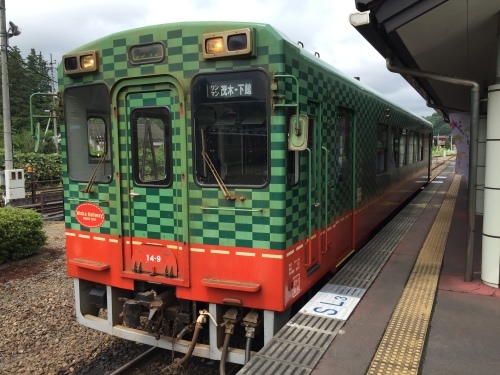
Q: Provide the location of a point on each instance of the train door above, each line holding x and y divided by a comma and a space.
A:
153, 188
341, 185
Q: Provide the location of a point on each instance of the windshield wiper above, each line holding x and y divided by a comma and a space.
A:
88, 188
218, 178
212, 168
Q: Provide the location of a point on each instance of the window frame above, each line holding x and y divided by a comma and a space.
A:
81, 103
382, 147
201, 96
167, 145
343, 144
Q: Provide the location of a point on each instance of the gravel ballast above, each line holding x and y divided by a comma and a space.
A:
39, 332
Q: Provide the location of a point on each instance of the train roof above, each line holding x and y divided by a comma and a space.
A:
357, 83
216, 25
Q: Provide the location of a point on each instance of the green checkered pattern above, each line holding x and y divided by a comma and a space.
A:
104, 195
274, 217
154, 212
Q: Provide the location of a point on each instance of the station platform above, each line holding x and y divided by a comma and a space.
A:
400, 305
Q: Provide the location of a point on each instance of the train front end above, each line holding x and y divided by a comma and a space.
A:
174, 189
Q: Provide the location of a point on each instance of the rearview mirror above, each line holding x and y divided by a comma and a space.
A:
297, 133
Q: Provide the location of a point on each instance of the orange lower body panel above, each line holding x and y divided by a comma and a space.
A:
255, 278
96, 257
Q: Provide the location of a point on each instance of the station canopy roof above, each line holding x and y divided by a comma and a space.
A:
457, 38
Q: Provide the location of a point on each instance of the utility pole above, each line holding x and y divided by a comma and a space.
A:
7, 125
13, 179
53, 111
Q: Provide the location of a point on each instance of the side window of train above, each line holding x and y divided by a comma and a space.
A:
382, 135
416, 151
403, 141
421, 143
151, 146
344, 119
396, 137
411, 146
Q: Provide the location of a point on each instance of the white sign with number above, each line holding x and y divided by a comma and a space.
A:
331, 305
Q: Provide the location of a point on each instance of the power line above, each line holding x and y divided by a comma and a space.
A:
22, 62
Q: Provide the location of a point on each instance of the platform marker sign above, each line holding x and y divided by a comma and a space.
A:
331, 305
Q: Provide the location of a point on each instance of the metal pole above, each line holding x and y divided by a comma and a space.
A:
53, 112
471, 192
7, 126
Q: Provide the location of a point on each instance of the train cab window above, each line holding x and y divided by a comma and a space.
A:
344, 130
151, 146
88, 133
230, 131
381, 159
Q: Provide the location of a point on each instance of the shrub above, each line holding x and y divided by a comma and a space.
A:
45, 166
21, 233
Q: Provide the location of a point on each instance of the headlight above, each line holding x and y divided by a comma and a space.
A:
228, 43
87, 62
81, 63
214, 45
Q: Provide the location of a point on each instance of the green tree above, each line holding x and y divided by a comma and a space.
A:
37, 71
439, 126
19, 90
26, 78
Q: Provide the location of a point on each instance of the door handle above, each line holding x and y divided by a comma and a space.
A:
133, 193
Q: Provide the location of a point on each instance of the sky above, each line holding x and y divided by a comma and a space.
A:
55, 27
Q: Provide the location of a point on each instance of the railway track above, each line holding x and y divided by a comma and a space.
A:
439, 163
49, 210
48, 203
156, 360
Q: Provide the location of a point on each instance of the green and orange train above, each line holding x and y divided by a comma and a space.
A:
213, 173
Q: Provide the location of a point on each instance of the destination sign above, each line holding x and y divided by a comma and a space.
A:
229, 89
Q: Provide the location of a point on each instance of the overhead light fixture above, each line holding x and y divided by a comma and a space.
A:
14, 30
359, 19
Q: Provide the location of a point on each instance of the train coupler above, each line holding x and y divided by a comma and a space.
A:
150, 307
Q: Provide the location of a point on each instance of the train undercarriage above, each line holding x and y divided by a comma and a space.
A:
157, 318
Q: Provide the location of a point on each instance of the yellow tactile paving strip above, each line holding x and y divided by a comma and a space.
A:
400, 349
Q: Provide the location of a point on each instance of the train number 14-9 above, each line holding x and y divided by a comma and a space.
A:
153, 258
